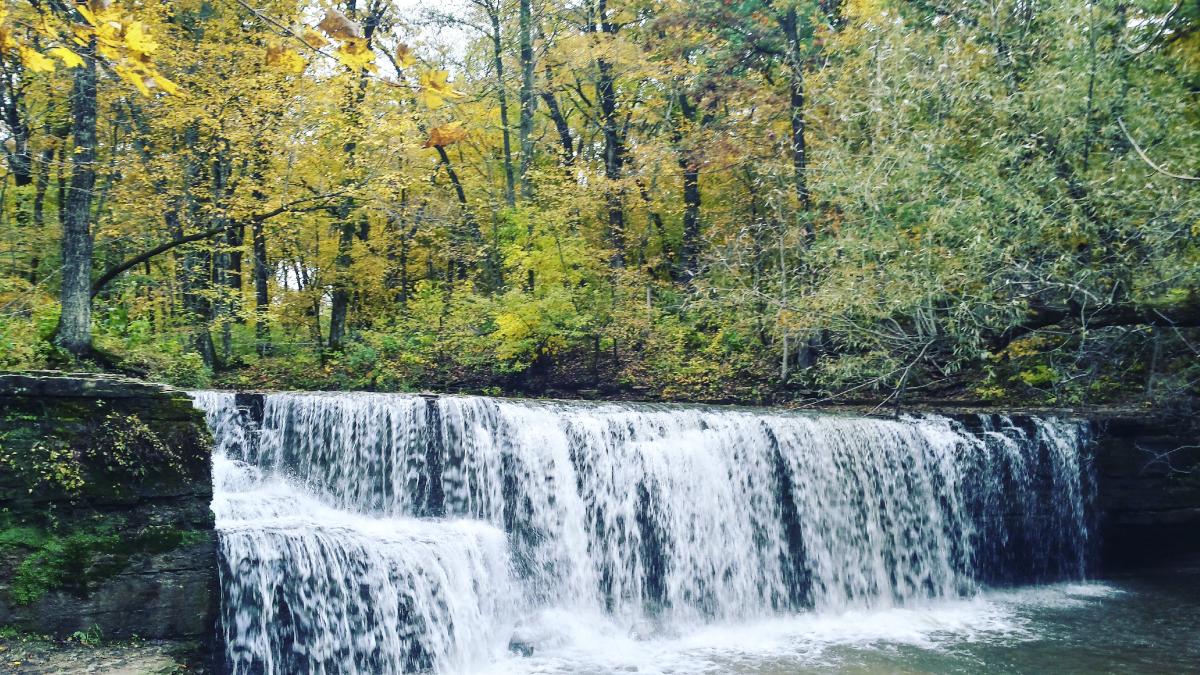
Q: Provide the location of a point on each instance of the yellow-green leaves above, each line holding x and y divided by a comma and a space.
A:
123, 41
34, 61
355, 54
69, 58
434, 88
285, 59
404, 56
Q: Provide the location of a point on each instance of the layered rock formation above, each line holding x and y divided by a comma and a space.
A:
105, 519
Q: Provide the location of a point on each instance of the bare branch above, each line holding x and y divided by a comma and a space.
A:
1149, 162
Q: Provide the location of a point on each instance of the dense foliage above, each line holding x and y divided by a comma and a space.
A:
706, 199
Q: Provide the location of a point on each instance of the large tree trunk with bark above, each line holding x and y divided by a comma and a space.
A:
350, 225
75, 323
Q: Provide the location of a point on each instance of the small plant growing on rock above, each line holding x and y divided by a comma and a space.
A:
92, 637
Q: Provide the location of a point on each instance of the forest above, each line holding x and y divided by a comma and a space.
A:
716, 200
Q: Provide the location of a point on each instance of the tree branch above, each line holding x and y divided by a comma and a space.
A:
116, 270
1149, 162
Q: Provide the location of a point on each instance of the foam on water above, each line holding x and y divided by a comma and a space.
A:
571, 643
366, 533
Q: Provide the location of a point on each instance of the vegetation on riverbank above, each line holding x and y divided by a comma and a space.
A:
752, 200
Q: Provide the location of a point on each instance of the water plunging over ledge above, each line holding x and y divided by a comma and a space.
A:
379, 533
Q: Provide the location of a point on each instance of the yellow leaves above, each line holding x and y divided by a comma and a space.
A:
313, 39
137, 40
285, 59
353, 52
87, 14
165, 84
446, 134
35, 62
69, 58
122, 40
7, 41
145, 78
404, 56
356, 55
434, 88
337, 26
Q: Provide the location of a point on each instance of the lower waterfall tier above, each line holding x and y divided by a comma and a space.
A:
366, 533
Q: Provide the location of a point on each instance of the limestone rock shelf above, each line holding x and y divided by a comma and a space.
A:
105, 509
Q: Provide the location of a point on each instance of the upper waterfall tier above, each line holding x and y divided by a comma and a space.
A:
668, 513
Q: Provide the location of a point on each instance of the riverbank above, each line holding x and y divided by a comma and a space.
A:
25, 654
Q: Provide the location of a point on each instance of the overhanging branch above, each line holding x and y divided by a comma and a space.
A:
116, 270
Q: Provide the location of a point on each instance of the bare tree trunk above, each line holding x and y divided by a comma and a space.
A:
41, 182
75, 323
528, 101
349, 228
502, 95
262, 301
795, 60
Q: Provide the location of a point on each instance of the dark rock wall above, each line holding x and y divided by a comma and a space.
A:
105, 518
1148, 493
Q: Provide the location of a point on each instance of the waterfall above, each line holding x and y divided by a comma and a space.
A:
368, 533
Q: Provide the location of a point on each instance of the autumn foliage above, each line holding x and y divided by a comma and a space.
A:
752, 200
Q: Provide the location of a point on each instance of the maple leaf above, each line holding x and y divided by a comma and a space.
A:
313, 39
405, 56
132, 76
35, 61
337, 26
285, 59
446, 134
356, 55
137, 40
434, 88
87, 14
69, 58
166, 85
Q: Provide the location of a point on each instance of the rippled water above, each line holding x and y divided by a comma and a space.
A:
366, 533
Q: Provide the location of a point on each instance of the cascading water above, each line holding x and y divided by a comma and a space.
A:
371, 533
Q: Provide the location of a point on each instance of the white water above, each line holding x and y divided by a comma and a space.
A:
367, 533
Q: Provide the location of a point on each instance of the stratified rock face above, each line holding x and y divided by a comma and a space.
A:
105, 509
1148, 470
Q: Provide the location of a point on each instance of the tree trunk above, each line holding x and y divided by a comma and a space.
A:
689, 258
614, 143
690, 249
614, 160
75, 323
40, 184
262, 301
502, 95
350, 226
795, 60
19, 160
527, 97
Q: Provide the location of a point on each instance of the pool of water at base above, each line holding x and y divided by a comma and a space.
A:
1144, 622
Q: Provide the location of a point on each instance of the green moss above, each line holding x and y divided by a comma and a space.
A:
105, 455
78, 560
